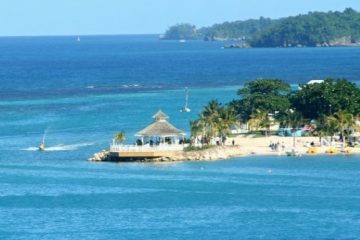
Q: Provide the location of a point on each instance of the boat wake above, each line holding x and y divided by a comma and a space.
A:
61, 147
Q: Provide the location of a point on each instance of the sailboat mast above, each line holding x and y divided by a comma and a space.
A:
185, 108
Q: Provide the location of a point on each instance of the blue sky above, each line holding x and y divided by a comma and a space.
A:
77, 17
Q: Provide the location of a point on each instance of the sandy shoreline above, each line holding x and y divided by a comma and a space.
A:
243, 147
260, 145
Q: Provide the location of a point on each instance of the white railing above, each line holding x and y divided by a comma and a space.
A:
146, 148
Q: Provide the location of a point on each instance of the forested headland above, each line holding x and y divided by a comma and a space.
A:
332, 28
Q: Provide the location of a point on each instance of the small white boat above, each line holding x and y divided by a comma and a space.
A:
78, 39
42, 144
42, 147
186, 108
182, 41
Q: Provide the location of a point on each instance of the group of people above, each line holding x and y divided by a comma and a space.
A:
157, 142
200, 140
277, 146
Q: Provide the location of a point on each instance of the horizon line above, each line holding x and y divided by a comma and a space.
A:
198, 27
118, 34
81, 35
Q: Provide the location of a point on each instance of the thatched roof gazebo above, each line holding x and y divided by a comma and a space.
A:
161, 130
159, 139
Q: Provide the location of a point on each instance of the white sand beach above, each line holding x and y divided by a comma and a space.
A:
261, 145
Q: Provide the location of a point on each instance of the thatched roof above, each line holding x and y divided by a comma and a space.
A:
161, 128
160, 115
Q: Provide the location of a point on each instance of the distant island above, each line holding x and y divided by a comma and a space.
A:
315, 29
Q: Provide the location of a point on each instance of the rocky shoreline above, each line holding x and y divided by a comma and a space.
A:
101, 156
214, 153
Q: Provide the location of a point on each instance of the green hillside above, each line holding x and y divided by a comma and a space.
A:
312, 29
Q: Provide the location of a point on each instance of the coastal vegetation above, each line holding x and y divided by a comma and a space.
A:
312, 29
120, 137
181, 31
191, 148
265, 95
238, 30
327, 108
331, 28
260, 119
214, 120
327, 98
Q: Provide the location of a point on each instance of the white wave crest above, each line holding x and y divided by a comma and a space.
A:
61, 147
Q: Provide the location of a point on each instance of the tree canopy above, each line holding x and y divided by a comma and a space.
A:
330, 106
312, 29
269, 95
326, 98
181, 31
236, 30
214, 120
227, 30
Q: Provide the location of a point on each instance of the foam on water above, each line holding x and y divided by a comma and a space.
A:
61, 147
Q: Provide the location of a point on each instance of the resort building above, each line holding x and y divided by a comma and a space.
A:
161, 132
315, 81
159, 139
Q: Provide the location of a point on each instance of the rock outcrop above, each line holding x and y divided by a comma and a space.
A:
100, 156
215, 153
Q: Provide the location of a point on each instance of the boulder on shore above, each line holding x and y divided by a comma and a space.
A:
100, 156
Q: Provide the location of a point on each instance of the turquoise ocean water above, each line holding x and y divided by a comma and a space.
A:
81, 93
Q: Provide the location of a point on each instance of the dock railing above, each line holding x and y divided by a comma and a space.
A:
146, 148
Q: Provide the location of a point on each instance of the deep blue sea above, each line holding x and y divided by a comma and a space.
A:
82, 93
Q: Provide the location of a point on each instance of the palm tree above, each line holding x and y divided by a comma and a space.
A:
226, 120
254, 122
327, 126
214, 121
211, 109
356, 123
197, 128
120, 137
331, 126
260, 119
210, 118
345, 121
